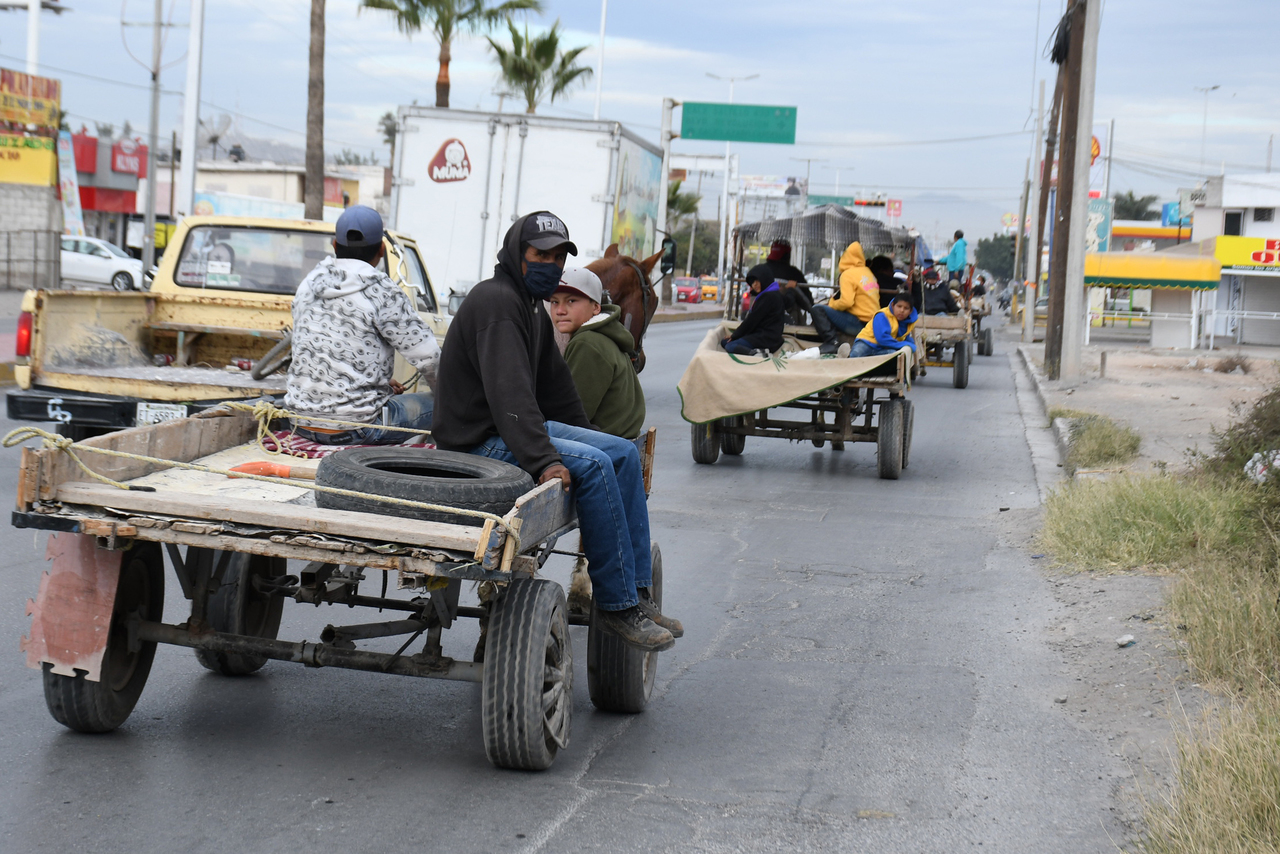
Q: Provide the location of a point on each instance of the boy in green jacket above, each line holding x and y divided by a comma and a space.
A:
598, 354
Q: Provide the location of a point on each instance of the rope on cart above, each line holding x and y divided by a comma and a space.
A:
265, 412
72, 448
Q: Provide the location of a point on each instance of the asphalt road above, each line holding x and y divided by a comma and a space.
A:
864, 669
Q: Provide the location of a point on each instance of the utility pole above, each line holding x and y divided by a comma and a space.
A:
1111, 144
1021, 225
1074, 318
33, 37
1270, 142
186, 189
693, 229
153, 143
1035, 232
1046, 172
1204, 127
664, 183
1062, 235
313, 188
604, 13
724, 206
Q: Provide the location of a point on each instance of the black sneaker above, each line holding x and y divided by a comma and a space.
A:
636, 629
650, 609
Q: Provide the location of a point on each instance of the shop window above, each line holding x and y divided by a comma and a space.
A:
1264, 214
1233, 223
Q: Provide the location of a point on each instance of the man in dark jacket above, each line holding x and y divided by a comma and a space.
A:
937, 295
796, 296
761, 329
504, 391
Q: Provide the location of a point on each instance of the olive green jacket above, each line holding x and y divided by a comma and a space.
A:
598, 357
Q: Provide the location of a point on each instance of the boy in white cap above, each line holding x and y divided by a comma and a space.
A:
598, 354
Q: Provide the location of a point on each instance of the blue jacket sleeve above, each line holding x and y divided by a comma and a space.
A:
884, 335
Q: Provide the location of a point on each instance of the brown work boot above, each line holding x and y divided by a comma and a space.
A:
650, 609
635, 629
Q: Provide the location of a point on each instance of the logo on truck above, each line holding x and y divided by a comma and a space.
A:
450, 163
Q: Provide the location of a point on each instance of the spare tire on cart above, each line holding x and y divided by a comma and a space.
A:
448, 478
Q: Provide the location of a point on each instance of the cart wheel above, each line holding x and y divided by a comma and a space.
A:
102, 706
908, 427
960, 370
889, 439
527, 694
988, 342
837, 444
706, 442
733, 443
238, 608
619, 676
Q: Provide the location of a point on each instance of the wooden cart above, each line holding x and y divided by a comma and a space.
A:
936, 334
98, 615
870, 408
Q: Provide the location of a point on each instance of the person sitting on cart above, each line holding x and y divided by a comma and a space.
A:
761, 329
349, 319
858, 302
889, 331
796, 296
937, 295
958, 258
598, 354
505, 392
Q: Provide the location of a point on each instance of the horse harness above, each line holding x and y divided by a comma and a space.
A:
646, 294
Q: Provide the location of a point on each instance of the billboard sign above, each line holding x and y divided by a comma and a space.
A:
27, 160
738, 123
635, 212
1097, 232
26, 99
1247, 254
69, 187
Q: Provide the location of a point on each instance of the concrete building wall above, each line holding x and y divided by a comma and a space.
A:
1261, 293
30, 230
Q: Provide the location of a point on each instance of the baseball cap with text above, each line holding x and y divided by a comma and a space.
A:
544, 230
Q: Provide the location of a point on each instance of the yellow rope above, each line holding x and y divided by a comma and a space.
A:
66, 445
265, 412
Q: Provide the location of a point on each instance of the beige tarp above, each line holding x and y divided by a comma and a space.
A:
718, 385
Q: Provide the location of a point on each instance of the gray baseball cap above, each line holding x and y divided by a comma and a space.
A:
358, 227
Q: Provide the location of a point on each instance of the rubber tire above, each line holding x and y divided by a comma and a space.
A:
102, 706
122, 281
889, 439
620, 677
733, 444
960, 370
705, 439
236, 608
908, 427
278, 358
528, 625
477, 483
988, 342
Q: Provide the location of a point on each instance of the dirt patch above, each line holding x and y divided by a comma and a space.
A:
1174, 401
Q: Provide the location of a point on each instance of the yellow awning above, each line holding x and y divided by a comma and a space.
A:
1150, 270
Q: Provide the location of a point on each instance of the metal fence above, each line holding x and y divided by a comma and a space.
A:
30, 259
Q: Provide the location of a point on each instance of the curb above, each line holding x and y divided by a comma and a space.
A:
676, 316
1037, 379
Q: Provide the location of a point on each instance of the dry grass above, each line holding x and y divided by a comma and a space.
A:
1099, 441
1227, 364
1131, 522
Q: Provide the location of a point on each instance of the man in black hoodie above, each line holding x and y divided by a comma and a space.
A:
761, 329
504, 391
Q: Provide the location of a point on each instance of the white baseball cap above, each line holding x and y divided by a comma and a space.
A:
583, 281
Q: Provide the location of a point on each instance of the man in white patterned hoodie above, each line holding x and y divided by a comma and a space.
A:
349, 319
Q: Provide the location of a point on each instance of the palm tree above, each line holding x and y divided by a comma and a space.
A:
680, 205
1133, 207
387, 127
446, 19
536, 67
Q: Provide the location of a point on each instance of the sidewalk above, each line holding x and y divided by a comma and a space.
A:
688, 311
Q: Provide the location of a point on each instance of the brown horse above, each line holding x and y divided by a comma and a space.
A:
627, 281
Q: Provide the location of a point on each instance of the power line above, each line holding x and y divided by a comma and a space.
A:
901, 143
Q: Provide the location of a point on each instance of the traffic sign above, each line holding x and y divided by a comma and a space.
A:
738, 123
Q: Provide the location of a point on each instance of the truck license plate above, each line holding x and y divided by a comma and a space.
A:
154, 413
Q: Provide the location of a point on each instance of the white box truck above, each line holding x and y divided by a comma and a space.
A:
463, 177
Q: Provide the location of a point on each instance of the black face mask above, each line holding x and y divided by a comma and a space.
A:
542, 279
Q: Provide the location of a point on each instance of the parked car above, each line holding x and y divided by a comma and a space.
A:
90, 261
710, 289
688, 289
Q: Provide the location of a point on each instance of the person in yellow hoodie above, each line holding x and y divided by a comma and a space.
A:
857, 303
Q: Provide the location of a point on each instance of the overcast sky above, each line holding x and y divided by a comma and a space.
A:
871, 80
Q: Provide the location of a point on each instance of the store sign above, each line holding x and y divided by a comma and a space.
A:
894, 208
450, 163
126, 157
27, 160
1248, 254
26, 99
1097, 232
69, 187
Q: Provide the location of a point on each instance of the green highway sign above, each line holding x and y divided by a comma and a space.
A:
738, 123
846, 201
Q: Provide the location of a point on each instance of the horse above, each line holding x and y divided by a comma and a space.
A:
629, 286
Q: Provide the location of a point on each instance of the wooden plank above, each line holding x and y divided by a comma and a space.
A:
542, 511
267, 514
171, 326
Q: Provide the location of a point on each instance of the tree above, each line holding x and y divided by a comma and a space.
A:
536, 67
680, 205
446, 19
388, 127
352, 158
1132, 207
706, 245
995, 254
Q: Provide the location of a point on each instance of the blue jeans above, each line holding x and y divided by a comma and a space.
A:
845, 322
863, 348
401, 410
741, 347
612, 514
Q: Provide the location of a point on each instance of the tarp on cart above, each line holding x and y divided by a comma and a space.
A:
718, 385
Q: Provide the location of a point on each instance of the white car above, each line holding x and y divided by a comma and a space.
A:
87, 260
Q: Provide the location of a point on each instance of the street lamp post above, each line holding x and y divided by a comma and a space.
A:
604, 13
1204, 128
724, 205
